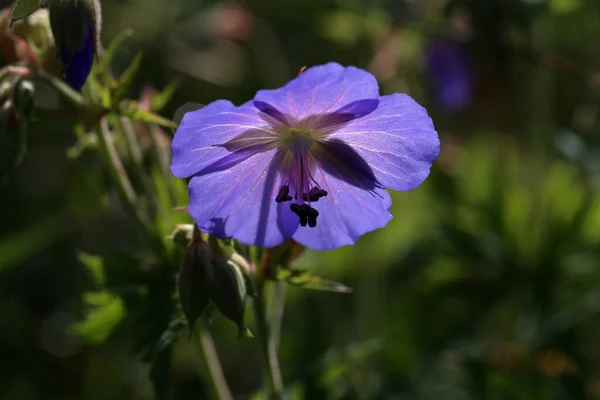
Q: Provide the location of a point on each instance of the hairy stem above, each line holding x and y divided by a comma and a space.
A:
163, 155
276, 306
73, 97
268, 344
135, 152
216, 379
124, 187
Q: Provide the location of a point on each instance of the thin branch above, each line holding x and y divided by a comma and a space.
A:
216, 379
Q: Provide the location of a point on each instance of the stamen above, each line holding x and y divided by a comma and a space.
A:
283, 194
312, 216
307, 189
300, 211
314, 194
306, 213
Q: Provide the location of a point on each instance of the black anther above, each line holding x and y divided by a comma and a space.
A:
300, 211
314, 194
306, 213
312, 217
283, 194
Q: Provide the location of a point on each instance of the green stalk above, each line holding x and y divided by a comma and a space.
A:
133, 148
71, 96
216, 379
276, 306
163, 156
124, 187
268, 344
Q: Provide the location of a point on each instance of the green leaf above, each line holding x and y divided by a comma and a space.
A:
127, 79
169, 336
107, 57
160, 99
99, 92
95, 265
102, 321
22, 9
303, 279
147, 116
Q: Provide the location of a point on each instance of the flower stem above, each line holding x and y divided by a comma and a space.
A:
268, 344
276, 306
71, 96
133, 148
124, 187
216, 379
163, 155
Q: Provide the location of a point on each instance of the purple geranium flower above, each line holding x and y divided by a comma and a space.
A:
309, 161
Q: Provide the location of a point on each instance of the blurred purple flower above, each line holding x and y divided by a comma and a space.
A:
309, 161
449, 68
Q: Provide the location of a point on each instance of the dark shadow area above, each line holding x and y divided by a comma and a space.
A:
218, 227
343, 162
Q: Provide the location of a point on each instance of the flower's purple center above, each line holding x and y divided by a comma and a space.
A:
299, 144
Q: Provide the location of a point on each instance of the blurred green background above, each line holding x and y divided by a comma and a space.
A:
485, 285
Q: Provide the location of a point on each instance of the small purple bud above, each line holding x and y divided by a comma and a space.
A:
76, 28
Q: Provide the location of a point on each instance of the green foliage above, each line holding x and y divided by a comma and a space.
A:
161, 99
122, 87
306, 280
23, 8
106, 313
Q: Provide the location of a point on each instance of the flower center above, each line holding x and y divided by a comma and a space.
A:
299, 143
298, 138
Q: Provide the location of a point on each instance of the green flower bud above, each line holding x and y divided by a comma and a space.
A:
229, 292
192, 281
211, 273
